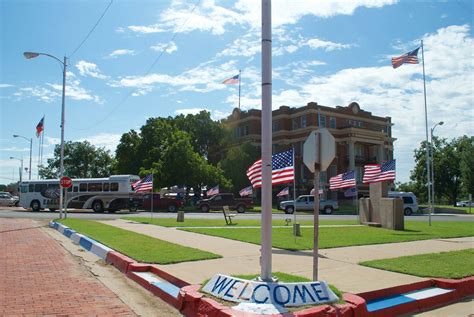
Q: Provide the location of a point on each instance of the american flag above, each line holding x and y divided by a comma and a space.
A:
213, 191
374, 173
40, 127
247, 191
144, 184
320, 192
343, 180
351, 192
285, 192
408, 58
232, 80
283, 170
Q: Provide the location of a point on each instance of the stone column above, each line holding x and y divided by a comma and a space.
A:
380, 157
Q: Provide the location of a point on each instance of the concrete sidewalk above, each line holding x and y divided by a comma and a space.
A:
337, 266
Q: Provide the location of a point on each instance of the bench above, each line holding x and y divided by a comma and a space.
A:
227, 215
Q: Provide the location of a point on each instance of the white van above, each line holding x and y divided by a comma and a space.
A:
410, 204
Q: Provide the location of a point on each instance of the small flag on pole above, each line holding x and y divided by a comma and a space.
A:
213, 191
312, 191
408, 58
374, 173
232, 80
40, 127
144, 184
247, 191
343, 180
285, 192
350, 192
283, 170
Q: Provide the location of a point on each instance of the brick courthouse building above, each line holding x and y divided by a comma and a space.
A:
361, 138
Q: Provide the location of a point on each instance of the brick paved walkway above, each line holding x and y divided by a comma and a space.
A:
38, 277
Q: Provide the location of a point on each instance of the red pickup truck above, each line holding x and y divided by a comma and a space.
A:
218, 201
161, 203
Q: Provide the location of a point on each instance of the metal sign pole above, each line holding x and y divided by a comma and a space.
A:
316, 208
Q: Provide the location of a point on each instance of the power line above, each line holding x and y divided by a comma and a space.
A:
92, 30
146, 73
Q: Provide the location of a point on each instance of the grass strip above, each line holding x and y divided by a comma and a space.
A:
191, 222
453, 264
345, 236
140, 247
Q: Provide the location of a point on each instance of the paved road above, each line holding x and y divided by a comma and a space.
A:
13, 212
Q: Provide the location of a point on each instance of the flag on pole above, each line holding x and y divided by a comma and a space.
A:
144, 184
40, 127
343, 180
247, 191
232, 80
285, 192
351, 192
374, 173
283, 170
213, 191
319, 192
408, 58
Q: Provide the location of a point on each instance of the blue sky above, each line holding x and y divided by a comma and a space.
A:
162, 58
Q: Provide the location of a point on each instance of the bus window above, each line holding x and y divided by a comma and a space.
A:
83, 187
75, 189
94, 187
24, 188
106, 187
40, 187
114, 187
31, 188
54, 186
69, 189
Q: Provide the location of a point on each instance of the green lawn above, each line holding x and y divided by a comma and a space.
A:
137, 246
191, 222
454, 264
345, 236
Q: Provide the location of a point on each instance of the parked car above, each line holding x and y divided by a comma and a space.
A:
7, 199
465, 203
161, 203
306, 202
410, 204
218, 201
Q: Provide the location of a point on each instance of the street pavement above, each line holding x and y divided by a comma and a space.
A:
43, 273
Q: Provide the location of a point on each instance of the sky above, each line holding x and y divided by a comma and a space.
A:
163, 58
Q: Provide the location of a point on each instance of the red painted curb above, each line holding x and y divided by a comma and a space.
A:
120, 261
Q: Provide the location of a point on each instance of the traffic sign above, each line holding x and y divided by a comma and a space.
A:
65, 182
311, 148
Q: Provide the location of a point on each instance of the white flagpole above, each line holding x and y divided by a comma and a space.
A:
42, 141
294, 191
152, 198
427, 143
240, 80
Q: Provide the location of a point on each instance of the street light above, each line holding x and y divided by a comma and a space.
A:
21, 168
30, 55
432, 166
31, 147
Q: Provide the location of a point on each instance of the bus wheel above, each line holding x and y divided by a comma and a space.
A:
97, 206
52, 209
35, 205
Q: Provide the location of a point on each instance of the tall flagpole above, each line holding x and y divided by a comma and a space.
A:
240, 80
152, 197
430, 206
294, 192
266, 231
42, 141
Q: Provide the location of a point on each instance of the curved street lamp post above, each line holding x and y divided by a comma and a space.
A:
31, 147
30, 55
21, 168
432, 165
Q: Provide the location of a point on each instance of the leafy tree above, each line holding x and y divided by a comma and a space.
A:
128, 157
236, 162
466, 156
405, 187
81, 160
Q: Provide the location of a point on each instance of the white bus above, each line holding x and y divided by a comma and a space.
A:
99, 194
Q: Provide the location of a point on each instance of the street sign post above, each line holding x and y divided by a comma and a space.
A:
319, 150
65, 182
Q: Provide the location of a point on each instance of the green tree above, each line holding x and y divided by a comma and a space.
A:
128, 157
236, 162
466, 157
81, 160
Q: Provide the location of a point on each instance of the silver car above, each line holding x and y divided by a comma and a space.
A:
306, 202
7, 199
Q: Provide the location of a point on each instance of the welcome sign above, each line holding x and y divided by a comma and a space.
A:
281, 294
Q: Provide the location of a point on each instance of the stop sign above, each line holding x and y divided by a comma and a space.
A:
65, 182
311, 149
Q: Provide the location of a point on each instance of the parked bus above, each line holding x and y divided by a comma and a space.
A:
99, 194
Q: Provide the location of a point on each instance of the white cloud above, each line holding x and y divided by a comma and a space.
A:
167, 47
6, 85
215, 114
89, 69
109, 141
189, 111
121, 52
16, 149
74, 90
326, 45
